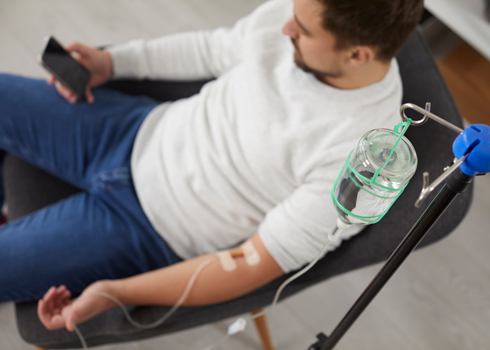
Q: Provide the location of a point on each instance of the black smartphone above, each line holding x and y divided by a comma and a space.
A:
64, 67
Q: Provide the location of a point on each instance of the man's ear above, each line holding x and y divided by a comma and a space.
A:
361, 55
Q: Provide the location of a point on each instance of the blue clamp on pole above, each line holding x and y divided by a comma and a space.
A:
474, 142
471, 148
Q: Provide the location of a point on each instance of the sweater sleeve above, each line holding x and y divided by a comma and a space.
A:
295, 231
181, 56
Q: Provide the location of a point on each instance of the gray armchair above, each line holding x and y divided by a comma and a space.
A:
28, 189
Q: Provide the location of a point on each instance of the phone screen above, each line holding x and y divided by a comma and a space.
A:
65, 68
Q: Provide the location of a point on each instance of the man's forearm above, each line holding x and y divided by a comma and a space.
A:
165, 287
213, 285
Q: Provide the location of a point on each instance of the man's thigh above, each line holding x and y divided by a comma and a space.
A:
73, 142
75, 242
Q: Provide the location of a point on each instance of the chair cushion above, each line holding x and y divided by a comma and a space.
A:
28, 189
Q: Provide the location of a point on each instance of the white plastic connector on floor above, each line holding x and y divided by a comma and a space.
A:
237, 326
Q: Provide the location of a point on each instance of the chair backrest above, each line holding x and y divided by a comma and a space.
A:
422, 83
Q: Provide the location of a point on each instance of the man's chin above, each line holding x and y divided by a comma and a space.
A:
319, 74
301, 65
298, 64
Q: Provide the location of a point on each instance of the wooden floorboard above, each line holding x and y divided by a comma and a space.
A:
467, 74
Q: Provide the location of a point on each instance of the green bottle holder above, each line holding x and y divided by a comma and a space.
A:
357, 178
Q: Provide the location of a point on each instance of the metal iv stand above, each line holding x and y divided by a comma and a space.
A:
472, 151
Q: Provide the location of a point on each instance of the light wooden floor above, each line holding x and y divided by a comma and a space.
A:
467, 74
439, 299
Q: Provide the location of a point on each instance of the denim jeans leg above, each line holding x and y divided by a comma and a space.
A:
89, 236
72, 142
75, 242
2, 192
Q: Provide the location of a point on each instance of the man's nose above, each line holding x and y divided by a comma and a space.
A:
290, 28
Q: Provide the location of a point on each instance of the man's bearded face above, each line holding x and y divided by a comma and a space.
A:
314, 47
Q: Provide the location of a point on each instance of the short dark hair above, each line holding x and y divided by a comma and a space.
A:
381, 24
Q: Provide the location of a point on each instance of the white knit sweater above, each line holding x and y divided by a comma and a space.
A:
257, 150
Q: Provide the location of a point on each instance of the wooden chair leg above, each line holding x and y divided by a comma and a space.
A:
261, 325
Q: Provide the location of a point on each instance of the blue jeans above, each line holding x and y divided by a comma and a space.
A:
100, 233
1, 182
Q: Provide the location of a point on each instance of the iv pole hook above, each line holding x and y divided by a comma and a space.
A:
427, 114
426, 188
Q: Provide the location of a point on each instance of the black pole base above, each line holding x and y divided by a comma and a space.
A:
322, 338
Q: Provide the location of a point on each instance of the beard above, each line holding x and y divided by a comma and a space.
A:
298, 60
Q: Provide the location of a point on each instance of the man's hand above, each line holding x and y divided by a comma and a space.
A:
56, 310
53, 309
97, 62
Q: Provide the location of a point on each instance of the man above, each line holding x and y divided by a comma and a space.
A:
251, 158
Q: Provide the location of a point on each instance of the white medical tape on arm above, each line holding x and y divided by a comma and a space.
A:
251, 254
227, 261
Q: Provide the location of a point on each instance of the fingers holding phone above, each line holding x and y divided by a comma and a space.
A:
66, 92
97, 62
76, 69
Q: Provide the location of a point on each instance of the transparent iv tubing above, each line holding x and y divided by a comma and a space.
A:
163, 318
333, 237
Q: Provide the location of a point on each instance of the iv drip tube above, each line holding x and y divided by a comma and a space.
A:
333, 237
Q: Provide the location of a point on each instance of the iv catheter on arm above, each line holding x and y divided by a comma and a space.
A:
165, 286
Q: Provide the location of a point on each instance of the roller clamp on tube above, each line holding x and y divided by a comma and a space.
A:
471, 149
